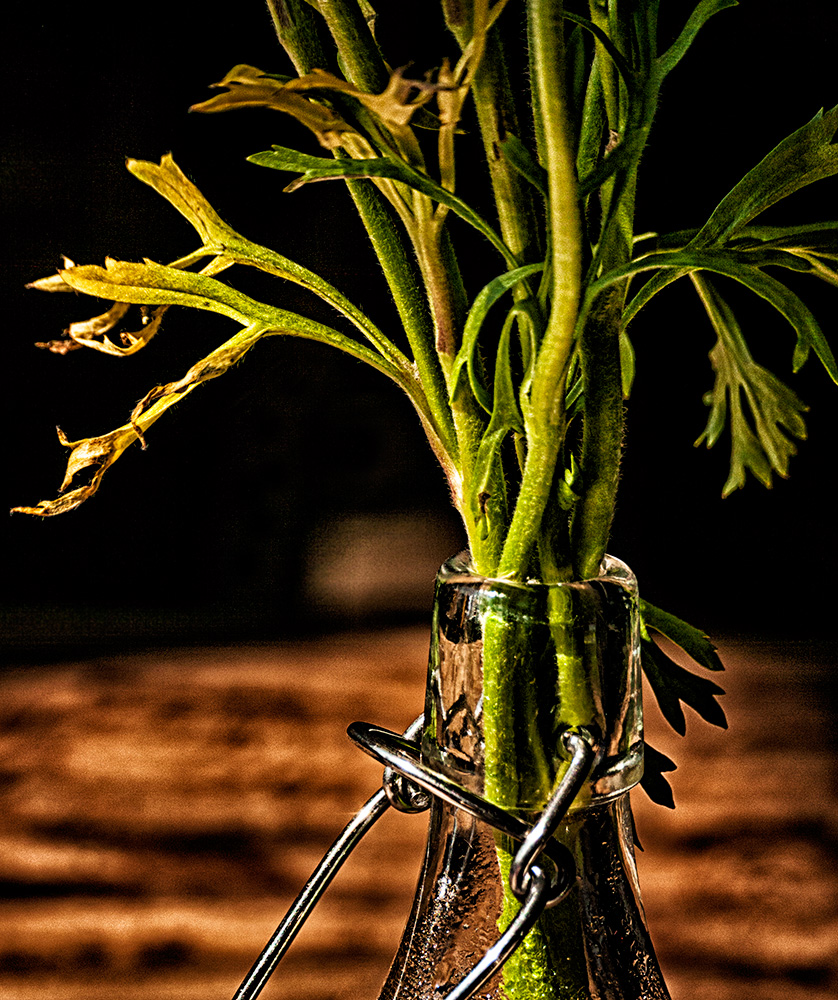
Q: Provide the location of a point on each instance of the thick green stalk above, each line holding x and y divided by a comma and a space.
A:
409, 298
600, 364
602, 438
544, 416
535, 972
298, 30
359, 55
296, 26
519, 769
447, 300
497, 118
608, 76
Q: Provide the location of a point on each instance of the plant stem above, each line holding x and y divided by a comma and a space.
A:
359, 55
520, 770
497, 118
602, 436
447, 298
298, 30
409, 298
544, 416
607, 74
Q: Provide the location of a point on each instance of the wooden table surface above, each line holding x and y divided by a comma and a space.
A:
160, 811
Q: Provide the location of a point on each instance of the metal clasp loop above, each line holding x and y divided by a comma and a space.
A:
407, 779
403, 755
580, 745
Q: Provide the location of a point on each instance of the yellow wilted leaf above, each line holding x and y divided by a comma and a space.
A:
171, 182
101, 452
150, 283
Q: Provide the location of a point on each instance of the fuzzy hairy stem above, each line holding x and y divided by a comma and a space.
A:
447, 301
406, 289
298, 29
602, 438
497, 117
545, 417
356, 46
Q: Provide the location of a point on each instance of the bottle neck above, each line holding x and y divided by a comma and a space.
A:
511, 667
593, 945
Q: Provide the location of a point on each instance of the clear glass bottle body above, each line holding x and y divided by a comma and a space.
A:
511, 667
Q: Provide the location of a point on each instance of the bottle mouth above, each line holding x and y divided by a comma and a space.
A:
555, 636
460, 569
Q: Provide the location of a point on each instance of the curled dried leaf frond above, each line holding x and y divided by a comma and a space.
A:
395, 105
99, 453
96, 452
61, 346
248, 86
93, 332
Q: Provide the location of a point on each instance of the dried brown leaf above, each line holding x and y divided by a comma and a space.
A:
250, 87
395, 105
60, 346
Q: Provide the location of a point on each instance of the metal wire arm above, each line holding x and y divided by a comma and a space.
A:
407, 780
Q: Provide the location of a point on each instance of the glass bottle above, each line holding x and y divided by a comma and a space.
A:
511, 667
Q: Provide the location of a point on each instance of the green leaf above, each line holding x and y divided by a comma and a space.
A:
609, 47
318, 168
806, 156
672, 685
522, 161
653, 782
692, 640
804, 236
734, 264
506, 418
627, 363
623, 157
568, 484
466, 361
775, 410
699, 17
815, 236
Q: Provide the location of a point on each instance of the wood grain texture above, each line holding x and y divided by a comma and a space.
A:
160, 812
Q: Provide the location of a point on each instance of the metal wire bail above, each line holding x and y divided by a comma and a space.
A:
407, 782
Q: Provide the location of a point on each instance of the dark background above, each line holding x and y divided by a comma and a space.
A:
211, 533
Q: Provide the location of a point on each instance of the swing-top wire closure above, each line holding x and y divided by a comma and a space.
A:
406, 782
404, 756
